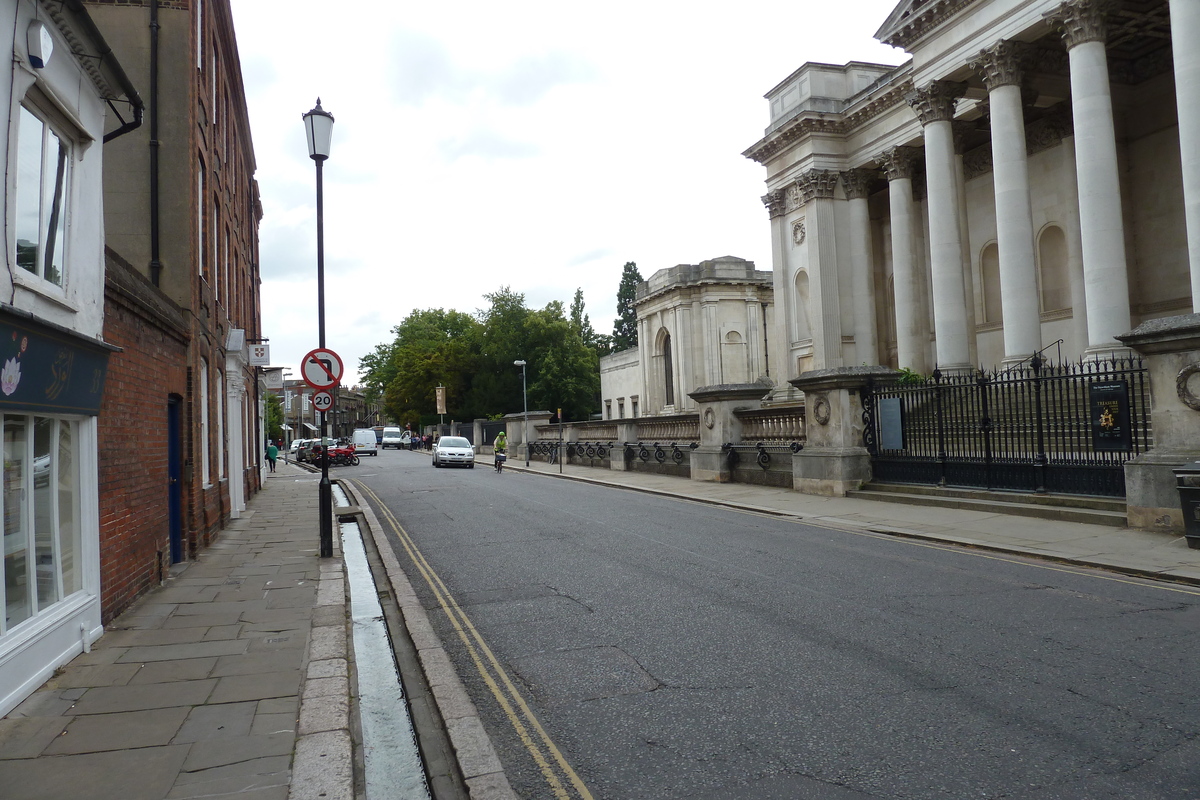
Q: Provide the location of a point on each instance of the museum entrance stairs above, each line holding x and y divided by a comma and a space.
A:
1062, 507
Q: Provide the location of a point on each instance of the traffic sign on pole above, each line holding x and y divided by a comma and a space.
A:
322, 368
322, 401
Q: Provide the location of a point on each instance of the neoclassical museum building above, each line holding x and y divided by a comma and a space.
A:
1031, 175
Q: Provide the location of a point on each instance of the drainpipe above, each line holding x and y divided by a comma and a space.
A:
155, 263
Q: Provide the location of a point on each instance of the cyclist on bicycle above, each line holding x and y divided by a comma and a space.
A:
499, 446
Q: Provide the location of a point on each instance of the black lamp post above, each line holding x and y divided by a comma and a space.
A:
318, 129
525, 402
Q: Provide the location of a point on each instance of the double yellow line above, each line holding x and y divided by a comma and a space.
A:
559, 775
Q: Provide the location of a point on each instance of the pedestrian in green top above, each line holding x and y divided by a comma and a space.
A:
272, 454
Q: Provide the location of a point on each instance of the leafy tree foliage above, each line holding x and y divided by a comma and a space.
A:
274, 414
472, 356
583, 326
624, 334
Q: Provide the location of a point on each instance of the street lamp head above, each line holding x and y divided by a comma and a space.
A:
519, 363
318, 129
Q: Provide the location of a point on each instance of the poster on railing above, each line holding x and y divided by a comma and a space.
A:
1108, 404
891, 423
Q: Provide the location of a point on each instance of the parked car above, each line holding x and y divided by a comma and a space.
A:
451, 450
297, 449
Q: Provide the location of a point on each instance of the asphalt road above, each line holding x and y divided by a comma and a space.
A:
620, 645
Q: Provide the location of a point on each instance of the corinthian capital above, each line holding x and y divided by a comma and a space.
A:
857, 182
1001, 64
775, 203
897, 163
817, 184
1080, 21
935, 103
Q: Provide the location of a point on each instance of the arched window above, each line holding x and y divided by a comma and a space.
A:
989, 271
1052, 270
668, 371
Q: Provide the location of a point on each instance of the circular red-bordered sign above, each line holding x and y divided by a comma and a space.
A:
322, 369
322, 400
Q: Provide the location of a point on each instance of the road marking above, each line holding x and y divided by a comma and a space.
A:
499, 683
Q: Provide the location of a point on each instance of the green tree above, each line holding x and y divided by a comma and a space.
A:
274, 416
564, 371
431, 347
624, 334
583, 327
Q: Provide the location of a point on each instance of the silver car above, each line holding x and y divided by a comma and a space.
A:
451, 450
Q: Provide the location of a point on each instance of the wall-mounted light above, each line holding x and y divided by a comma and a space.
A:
40, 44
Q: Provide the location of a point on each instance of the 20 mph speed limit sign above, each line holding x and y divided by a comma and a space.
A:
322, 401
322, 369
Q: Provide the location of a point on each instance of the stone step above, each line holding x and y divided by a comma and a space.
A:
1065, 508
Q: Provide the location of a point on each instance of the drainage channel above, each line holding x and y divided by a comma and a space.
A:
391, 760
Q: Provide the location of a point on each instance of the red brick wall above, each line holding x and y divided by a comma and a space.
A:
134, 537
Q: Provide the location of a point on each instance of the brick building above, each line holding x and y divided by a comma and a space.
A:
181, 215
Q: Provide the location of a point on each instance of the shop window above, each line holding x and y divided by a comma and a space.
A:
43, 166
39, 500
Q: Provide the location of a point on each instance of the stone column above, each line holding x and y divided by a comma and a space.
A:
857, 184
816, 190
1185, 47
834, 460
1171, 347
911, 332
1001, 69
960, 128
781, 365
719, 424
1102, 227
934, 106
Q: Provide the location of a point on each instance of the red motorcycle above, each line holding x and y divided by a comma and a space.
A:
343, 456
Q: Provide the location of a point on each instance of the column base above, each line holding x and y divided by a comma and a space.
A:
1151, 496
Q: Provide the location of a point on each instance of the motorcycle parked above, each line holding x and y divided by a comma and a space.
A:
343, 456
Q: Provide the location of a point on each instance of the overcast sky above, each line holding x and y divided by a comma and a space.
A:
534, 145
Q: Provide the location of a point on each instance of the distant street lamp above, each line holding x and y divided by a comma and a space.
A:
525, 401
318, 129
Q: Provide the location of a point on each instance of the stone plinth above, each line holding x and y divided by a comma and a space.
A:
834, 461
719, 424
1171, 347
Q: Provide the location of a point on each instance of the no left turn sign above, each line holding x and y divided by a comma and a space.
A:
322, 369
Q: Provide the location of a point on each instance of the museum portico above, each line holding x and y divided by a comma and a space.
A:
1025, 178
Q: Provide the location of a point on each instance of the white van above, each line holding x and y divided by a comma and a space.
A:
364, 442
394, 437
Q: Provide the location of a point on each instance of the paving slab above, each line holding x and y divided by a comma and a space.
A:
27, 737
111, 699
259, 686
98, 776
124, 731
178, 652
216, 722
181, 670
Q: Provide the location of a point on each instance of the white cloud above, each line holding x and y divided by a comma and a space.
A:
538, 145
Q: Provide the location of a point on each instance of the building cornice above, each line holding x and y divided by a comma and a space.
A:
914, 19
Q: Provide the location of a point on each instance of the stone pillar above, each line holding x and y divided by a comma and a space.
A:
719, 425
1102, 227
857, 184
1185, 47
834, 460
626, 432
911, 331
1001, 69
960, 128
477, 433
934, 106
817, 189
1171, 347
780, 363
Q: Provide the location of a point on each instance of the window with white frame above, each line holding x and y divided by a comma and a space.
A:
202, 445
43, 170
39, 502
221, 425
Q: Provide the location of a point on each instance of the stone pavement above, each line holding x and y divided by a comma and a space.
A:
1146, 553
207, 686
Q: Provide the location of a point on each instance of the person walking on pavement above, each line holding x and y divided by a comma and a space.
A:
272, 454
499, 446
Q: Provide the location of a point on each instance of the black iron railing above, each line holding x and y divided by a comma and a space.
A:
1036, 427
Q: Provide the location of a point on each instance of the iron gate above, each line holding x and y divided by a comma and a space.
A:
1036, 427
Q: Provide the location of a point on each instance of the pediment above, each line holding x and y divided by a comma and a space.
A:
912, 19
